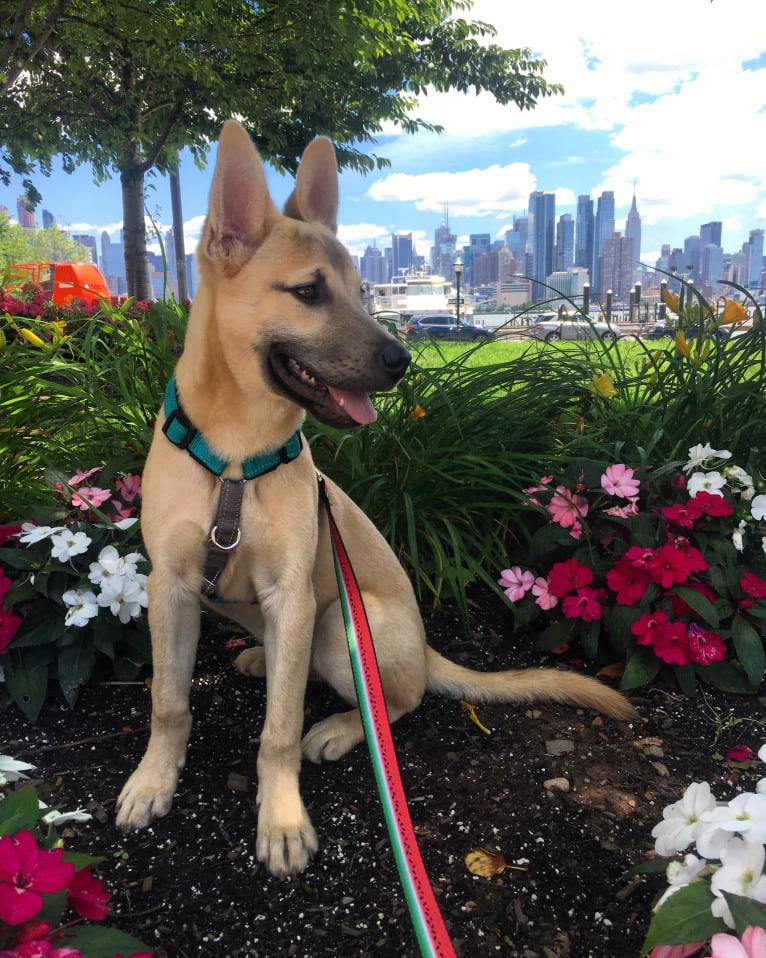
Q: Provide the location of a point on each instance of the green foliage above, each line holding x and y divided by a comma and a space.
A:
19, 245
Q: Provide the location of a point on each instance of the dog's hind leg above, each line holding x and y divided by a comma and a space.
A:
174, 623
400, 654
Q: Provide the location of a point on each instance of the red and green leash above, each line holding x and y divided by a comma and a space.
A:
427, 920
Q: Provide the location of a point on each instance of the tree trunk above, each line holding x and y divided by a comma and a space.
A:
178, 234
134, 235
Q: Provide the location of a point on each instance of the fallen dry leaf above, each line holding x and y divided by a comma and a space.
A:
475, 718
613, 671
483, 863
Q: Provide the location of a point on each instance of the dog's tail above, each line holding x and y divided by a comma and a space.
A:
523, 686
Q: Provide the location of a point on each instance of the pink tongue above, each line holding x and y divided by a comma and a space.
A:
356, 405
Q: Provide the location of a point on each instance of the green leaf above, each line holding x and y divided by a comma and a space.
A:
75, 667
725, 676
590, 635
701, 605
19, 810
685, 676
556, 635
641, 668
749, 648
745, 912
102, 942
26, 678
684, 917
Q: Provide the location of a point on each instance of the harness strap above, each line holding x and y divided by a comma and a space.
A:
427, 921
225, 534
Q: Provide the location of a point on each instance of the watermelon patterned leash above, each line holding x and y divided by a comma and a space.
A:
427, 921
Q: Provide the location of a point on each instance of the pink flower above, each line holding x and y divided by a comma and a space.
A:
753, 944
705, 647
516, 583
739, 753
677, 951
624, 512
26, 874
80, 476
618, 481
545, 598
566, 508
583, 604
87, 897
129, 487
752, 585
89, 497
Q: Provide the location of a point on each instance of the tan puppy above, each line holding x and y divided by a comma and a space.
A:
277, 327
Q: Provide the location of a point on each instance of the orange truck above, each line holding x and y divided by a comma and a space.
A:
62, 282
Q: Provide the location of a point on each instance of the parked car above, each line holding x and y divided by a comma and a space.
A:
444, 326
657, 331
576, 326
666, 331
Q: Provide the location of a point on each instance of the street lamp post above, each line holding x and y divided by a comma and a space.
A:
458, 267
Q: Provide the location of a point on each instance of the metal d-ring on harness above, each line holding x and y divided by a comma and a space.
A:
225, 533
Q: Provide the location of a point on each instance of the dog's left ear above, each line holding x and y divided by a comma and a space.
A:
315, 197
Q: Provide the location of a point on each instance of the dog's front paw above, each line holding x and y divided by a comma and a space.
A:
286, 849
144, 798
330, 739
252, 662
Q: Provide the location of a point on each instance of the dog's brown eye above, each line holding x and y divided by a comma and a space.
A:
309, 292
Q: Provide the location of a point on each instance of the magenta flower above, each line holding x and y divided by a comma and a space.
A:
516, 583
87, 897
9, 625
79, 477
752, 945
26, 874
566, 508
618, 481
129, 487
583, 604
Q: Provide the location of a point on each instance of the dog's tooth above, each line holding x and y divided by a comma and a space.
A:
341, 402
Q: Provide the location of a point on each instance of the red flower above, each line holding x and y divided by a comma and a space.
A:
27, 873
705, 647
87, 897
672, 644
739, 753
583, 605
7, 531
752, 585
640, 556
565, 577
647, 628
713, 505
671, 565
683, 514
628, 581
9, 624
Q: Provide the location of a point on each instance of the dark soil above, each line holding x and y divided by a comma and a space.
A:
191, 886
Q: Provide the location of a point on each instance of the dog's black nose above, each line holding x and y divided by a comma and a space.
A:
395, 358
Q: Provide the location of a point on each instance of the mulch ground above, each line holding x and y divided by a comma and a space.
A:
190, 886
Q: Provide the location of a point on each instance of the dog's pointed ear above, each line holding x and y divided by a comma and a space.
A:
241, 211
315, 197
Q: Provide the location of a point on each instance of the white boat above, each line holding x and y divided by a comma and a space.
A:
413, 296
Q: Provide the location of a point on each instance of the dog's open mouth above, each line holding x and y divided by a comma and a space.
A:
332, 405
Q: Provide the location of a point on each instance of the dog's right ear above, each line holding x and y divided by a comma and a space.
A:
315, 197
241, 212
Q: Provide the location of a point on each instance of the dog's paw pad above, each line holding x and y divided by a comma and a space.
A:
252, 662
330, 739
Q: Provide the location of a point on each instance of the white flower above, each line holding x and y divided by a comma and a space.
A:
679, 821
744, 814
124, 596
738, 537
110, 563
59, 818
66, 544
82, 607
741, 873
680, 874
711, 482
699, 455
30, 533
758, 508
11, 770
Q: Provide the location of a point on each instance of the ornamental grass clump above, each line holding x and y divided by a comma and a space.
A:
73, 590
664, 569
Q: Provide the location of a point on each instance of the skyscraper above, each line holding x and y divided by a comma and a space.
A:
443, 250
584, 226
616, 267
565, 230
401, 253
692, 248
602, 230
633, 230
710, 233
542, 216
756, 258
25, 217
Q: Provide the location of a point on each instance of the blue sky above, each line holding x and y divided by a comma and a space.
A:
667, 96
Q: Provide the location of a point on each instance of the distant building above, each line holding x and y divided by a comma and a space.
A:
603, 229
401, 253
570, 283
692, 246
25, 217
633, 231
541, 240
584, 228
85, 239
616, 266
756, 259
443, 250
710, 233
373, 265
712, 265
565, 231
49, 220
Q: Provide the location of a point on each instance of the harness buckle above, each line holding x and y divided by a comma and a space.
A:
189, 432
221, 546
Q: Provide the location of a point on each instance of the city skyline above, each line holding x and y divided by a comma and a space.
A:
674, 118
